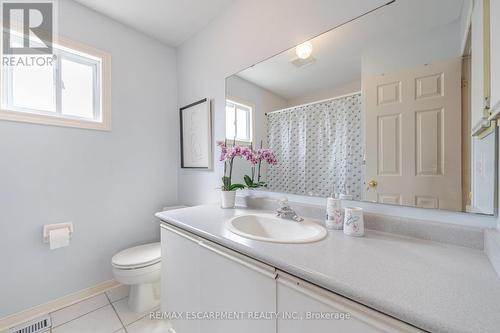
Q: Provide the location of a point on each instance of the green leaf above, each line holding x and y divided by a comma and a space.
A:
234, 187
248, 181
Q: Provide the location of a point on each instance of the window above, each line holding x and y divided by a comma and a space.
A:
239, 125
67, 90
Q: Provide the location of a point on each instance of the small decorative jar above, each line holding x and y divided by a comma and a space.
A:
334, 218
354, 224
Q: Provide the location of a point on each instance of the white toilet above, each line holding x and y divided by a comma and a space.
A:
139, 267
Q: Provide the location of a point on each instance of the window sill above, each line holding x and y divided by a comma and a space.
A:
239, 143
25, 117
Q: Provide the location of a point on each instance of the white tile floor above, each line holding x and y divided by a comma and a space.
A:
105, 313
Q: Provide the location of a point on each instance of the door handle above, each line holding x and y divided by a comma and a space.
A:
372, 183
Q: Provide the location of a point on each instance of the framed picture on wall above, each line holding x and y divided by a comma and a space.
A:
196, 135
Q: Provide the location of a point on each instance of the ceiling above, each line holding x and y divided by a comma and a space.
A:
338, 53
170, 21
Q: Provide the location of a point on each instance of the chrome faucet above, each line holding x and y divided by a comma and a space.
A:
286, 212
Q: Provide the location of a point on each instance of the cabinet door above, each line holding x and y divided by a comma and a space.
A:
232, 283
307, 308
180, 278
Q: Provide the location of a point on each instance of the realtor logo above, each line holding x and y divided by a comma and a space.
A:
27, 27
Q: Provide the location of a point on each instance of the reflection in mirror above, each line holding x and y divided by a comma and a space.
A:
381, 109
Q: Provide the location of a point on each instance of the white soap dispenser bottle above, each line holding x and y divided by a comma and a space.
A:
334, 219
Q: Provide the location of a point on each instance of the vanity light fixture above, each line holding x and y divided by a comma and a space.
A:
304, 50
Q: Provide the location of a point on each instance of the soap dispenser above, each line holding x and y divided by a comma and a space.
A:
334, 218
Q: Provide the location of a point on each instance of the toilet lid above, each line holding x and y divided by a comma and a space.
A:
138, 256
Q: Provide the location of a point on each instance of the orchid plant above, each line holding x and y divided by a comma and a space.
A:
227, 155
255, 157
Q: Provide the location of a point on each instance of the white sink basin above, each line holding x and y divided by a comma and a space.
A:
269, 228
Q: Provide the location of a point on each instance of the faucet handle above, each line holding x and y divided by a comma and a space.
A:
283, 202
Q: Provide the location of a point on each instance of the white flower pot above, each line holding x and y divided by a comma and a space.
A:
227, 199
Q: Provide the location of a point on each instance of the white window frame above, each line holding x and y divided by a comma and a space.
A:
251, 123
79, 53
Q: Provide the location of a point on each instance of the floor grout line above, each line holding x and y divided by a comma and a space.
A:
116, 313
110, 303
119, 299
72, 304
69, 321
135, 321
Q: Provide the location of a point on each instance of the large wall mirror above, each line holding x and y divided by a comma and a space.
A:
389, 108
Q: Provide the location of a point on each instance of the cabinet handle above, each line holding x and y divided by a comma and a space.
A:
180, 233
270, 272
264, 269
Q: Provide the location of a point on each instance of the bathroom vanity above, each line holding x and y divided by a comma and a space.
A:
382, 282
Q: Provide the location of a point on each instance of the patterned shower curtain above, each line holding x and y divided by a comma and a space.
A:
319, 148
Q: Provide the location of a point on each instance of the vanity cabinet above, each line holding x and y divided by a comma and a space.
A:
200, 279
180, 278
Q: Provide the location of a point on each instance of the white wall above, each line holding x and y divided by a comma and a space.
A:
477, 63
109, 184
495, 56
262, 101
230, 44
465, 17
396, 51
244, 34
327, 92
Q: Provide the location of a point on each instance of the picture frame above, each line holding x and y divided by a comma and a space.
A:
196, 135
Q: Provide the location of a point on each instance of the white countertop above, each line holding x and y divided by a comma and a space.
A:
436, 287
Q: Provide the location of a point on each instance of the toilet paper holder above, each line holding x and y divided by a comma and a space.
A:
47, 228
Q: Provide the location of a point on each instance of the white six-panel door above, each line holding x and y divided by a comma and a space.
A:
413, 136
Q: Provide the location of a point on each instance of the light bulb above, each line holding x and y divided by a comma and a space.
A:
304, 50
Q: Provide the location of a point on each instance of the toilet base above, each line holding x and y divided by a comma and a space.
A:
143, 297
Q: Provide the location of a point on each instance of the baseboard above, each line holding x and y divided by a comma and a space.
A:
43, 309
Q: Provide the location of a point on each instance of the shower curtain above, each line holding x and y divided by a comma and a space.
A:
319, 148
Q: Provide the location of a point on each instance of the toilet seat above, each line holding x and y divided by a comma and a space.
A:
140, 268
137, 257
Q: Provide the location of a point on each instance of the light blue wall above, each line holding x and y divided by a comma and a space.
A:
109, 184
